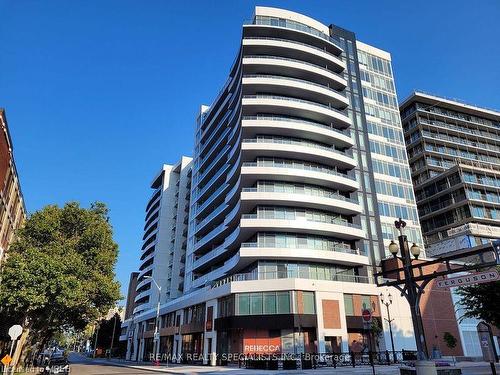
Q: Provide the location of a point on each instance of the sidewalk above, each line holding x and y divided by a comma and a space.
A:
229, 370
467, 368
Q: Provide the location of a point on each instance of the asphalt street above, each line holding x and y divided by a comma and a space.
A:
84, 366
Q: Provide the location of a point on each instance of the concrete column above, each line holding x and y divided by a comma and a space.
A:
209, 357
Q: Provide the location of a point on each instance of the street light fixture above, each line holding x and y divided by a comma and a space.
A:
412, 286
412, 289
156, 338
387, 301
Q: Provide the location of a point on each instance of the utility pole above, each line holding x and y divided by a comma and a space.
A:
156, 337
112, 338
96, 335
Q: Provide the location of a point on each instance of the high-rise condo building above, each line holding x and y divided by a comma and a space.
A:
163, 251
299, 171
454, 151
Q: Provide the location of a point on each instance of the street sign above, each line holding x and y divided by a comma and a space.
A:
15, 331
6, 360
472, 278
486, 342
367, 316
156, 336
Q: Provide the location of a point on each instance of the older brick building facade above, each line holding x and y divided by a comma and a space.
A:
12, 209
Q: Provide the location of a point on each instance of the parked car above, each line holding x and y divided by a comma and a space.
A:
58, 364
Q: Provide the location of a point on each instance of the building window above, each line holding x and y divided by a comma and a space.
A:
256, 303
283, 302
243, 304
366, 302
309, 303
348, 305
270, 303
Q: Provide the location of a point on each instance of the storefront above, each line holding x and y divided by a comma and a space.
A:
277, 334
166, 347
192, 348
148, 349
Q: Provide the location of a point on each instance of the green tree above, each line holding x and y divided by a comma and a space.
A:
449, 340
481, 301
106, 332
377, 331
59, 273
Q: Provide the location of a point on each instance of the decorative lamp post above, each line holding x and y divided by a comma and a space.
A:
410, 285
387, 301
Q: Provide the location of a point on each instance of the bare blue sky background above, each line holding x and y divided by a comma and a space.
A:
99, 94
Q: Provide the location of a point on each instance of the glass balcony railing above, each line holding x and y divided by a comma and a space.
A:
340, 249
267, 215
295, 61
210, 199
297, 166
285, 78
295, 143
289, 24
290, 99
250, 276
335, 57
345, 132
294, 190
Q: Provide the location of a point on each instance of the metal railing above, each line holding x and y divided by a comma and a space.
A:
345, 132
271, 57
339, 249
287, 24
290, 99
318, 193
285, 78
294, 361
273, 275
298, 166
265, 215
294, 42
285, 141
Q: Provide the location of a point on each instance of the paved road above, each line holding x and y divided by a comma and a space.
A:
83, 366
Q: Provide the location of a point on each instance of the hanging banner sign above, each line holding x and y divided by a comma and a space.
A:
472, 278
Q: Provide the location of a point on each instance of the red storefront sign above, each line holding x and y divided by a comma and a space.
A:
259, 342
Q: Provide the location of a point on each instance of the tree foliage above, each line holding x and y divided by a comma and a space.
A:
449, 340
59, 273
481, 301
105, 334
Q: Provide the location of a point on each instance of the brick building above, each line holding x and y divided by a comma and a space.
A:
12, 209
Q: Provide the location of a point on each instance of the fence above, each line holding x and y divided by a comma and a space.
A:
321, 360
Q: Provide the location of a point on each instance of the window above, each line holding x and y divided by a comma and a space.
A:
348, 305
256, 303
270, 303
366, 302
309, 305
243, 304
283, 302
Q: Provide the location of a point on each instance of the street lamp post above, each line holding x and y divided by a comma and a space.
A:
411, 287
387, 302
156, 338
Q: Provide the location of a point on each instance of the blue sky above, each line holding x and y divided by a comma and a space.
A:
99, 94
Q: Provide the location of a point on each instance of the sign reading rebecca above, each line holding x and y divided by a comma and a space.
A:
473, 278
